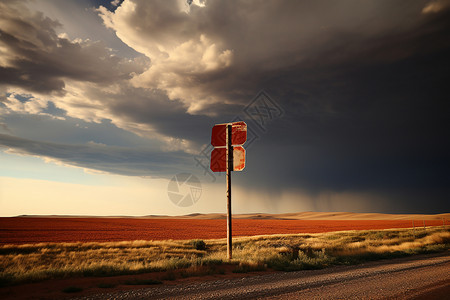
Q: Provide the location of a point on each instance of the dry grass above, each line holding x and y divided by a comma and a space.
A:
34, 262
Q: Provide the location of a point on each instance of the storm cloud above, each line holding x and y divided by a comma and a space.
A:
228, 50
363, 87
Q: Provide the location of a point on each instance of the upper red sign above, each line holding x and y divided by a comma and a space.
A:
238, 134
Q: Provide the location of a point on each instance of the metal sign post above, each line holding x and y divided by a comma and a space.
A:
227, 158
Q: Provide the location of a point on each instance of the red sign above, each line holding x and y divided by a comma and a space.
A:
219, 159
219, 141
238, 158
238, 134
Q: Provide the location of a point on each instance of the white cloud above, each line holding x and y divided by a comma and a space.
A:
179, 52
172, 73
115, 2
31, 106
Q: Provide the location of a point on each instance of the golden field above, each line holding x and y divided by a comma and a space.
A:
35, 262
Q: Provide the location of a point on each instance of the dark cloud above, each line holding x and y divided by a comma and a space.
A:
269, 41
307, 48
378, 129
35, 58
363, 86
111, 159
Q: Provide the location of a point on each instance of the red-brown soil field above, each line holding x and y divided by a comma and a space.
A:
25, 230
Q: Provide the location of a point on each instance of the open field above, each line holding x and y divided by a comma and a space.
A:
25, 230
184, 258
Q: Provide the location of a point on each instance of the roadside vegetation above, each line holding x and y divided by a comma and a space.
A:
36, 262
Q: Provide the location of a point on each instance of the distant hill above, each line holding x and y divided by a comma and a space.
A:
323, 216
286, 216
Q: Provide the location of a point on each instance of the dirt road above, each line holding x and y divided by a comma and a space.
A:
423, 277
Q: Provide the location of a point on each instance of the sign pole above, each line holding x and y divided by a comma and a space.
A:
229, 160
227, 156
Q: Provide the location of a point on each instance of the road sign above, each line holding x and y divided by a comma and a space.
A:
238, 134
228, 156
218, 140
238, 158
219, 159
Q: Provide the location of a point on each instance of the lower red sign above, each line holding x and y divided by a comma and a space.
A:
218, 160
219, 157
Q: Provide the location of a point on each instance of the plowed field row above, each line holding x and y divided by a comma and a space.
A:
36, 230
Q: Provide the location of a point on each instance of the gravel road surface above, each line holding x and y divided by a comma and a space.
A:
421, 277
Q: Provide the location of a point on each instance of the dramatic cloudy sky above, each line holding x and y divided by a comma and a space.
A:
103, 102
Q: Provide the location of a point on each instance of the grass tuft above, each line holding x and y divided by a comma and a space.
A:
199, 244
